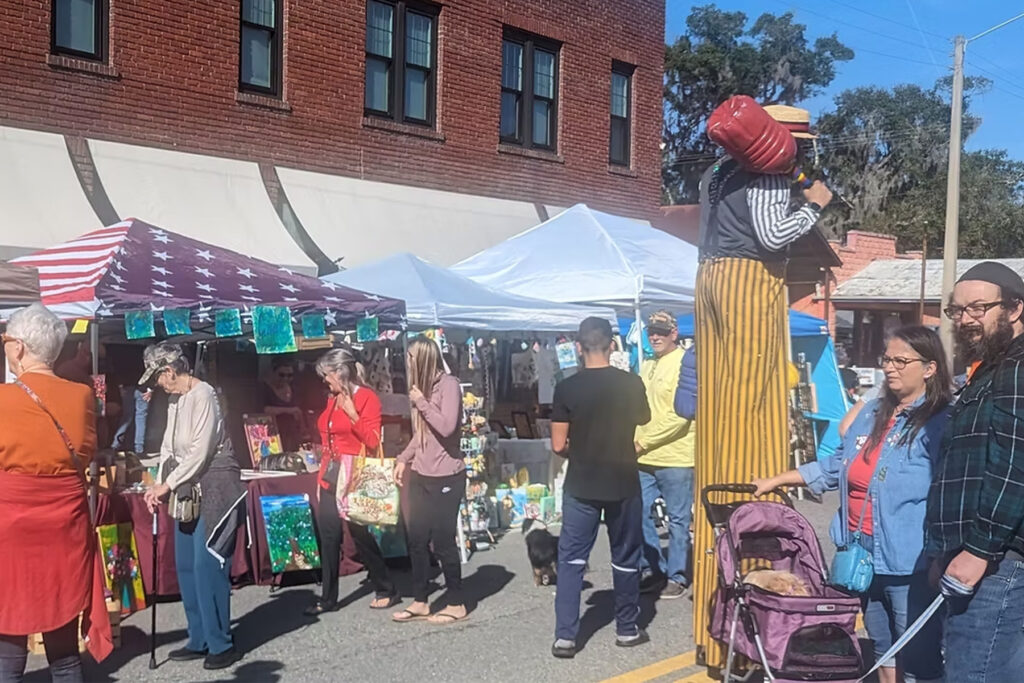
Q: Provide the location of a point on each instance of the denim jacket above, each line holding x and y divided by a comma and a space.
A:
899, 488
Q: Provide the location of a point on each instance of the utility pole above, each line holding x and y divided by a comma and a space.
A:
924, 277
949, 246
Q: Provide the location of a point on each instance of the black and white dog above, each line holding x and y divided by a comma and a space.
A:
542, 549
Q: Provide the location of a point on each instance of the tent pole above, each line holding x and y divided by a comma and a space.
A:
94, 468
640, 335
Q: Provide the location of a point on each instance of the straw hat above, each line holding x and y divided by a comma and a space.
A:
795, 119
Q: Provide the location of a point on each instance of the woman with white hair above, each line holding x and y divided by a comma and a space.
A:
197, 461
50, 570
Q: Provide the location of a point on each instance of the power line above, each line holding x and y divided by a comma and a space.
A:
1007, 73
1006, 81
887, 19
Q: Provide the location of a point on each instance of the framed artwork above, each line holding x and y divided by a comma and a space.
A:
521, 421
262, 437
291, 538
499, 428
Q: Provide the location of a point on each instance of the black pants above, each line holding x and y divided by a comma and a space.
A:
61, 653
433, 515
331, 536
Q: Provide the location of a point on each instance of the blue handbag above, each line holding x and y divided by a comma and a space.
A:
853, 567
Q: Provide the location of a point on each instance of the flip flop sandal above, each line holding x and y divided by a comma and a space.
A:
444, 619
392, 600
410, 616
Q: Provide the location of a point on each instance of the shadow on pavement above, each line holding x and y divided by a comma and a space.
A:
601, 612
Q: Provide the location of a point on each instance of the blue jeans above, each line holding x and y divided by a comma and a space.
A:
205, 589
985, 632
891, 604
132, 396
580, 522
675, 486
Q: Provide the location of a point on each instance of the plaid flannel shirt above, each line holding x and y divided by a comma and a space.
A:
976, 500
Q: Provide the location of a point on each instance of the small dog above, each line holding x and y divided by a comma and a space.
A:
542, 549
779, 582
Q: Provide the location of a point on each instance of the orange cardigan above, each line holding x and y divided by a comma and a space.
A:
29, 443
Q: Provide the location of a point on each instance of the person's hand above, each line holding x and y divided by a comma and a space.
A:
764, 486
415, 394
818, 193
968, 569
400, 474
638, 447
147, 395
154, 495
348, 406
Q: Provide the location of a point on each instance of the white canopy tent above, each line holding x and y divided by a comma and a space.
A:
436, 297
586, 256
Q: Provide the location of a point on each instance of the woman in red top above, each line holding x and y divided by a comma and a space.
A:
349, 424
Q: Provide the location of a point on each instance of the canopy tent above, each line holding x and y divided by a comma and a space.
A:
18, 287
586, 256
437, 297
134, 266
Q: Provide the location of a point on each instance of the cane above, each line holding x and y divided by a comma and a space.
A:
152, 615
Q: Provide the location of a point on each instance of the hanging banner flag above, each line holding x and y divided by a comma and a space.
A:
227, 323
177, 321
272, 329
80, 327
314, 326
367, 329
139, 325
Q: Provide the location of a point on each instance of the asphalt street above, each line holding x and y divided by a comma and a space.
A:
507, 636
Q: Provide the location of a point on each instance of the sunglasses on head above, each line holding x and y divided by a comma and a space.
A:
659, 331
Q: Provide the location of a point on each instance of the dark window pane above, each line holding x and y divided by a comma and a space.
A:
542, 123
509, 115
419, 34
544, 74
259, 12
76, 25
416, 94
512, 66
619, 143
620, 95
380, 22
257, 52
378, 85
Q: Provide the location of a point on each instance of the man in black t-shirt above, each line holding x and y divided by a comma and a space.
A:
594, 417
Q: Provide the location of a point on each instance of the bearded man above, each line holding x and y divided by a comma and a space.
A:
976, 501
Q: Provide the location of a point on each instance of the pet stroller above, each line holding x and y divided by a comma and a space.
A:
794, 637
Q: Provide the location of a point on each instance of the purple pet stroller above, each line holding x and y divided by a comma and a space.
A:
795, 638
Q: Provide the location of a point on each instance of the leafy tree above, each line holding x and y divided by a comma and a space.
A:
717, 57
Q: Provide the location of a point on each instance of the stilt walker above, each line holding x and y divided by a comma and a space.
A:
747, 224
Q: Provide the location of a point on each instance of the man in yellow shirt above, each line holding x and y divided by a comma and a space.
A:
666, 448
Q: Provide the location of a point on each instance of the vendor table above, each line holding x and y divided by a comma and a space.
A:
251, 561
533, 454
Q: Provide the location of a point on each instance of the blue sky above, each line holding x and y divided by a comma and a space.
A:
910, 41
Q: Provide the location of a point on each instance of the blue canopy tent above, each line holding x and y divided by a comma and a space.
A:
809, 336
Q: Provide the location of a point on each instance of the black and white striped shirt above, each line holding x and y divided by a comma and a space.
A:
775, 226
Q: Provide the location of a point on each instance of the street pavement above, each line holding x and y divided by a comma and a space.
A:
507, 636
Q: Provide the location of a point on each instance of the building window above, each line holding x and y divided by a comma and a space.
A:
79, 28
401, 61
621, 105
529, 90
259, 64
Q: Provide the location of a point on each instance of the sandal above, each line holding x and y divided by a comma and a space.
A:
318, 608
405, 615
445, 618
391, 601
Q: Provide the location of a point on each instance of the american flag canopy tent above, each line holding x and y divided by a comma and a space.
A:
134, 266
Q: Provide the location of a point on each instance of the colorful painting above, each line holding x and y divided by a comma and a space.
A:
272, 329
368, 329
291, 538
511, 506
227, 322
177, 321
314, 326
139, 325
121, 569
262, 436
566, 355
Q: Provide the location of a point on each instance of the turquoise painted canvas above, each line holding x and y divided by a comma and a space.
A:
272, 329
314, 326
139, 325
367, 329
227, 323
291, 538
177, 321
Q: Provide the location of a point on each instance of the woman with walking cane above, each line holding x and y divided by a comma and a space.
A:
200, 475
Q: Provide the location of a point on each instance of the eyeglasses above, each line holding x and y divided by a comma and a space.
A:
899, 362
976, 310
659, 331
8, 338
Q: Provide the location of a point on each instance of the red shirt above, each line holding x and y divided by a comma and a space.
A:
340, 436
862, 468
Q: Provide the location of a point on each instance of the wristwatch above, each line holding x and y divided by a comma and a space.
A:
815, 205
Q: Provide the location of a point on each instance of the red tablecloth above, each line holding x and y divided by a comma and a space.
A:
251, 561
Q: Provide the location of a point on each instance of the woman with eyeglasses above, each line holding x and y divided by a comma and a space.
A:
279, 400
883, 471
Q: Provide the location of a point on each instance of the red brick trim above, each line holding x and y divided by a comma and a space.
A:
403, 128
83, 65
542, 155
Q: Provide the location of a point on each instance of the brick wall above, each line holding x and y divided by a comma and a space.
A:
172, 78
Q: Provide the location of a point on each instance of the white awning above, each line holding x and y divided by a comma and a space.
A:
364, 221
215, 200
42, 203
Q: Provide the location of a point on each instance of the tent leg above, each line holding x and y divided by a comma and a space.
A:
640, 335
94, 468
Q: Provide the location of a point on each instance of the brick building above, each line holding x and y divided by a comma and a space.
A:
350, 129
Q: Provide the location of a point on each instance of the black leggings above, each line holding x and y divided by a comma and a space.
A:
433, 516
61, 653
331, 535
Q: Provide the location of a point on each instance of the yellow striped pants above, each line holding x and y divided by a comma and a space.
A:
742, 413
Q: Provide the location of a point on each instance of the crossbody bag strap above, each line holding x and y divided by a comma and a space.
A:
75, 460
871, 482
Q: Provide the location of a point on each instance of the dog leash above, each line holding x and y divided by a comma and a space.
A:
948, 588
